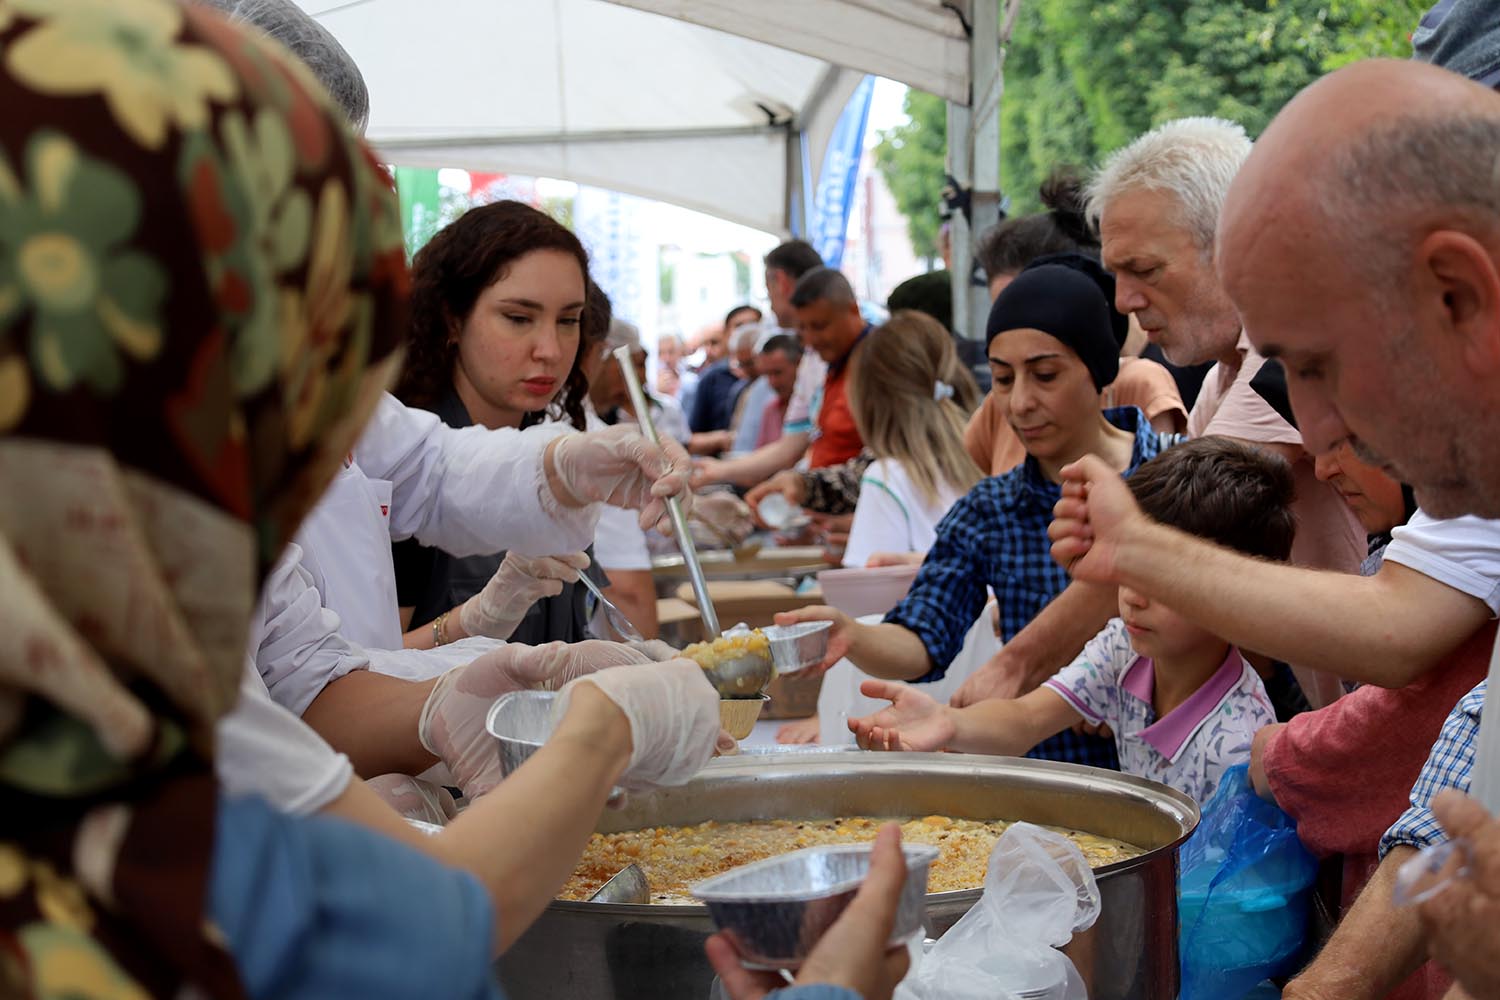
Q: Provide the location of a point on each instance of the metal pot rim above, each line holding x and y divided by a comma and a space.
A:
1169, 801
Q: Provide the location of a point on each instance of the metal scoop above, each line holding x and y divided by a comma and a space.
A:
742, 676
628, 885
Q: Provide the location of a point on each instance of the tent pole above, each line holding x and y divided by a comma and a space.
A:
960, 241
795, 222
974, 157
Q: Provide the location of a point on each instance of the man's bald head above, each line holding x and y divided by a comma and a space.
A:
1368, 152
1361, 241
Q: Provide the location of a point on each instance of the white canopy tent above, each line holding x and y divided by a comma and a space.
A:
715, 105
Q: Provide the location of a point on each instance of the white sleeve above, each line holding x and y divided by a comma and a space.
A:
469, 490
881, 523
1462, 552
265, 750
296, 643
619, 542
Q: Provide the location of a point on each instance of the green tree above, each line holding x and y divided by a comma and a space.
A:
911, 159
1084, 77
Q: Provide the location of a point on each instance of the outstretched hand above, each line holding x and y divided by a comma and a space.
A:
913, 721
1094, 517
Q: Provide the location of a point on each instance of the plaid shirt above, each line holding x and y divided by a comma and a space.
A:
996, 537
1448, 766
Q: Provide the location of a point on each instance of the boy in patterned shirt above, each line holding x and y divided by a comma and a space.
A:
1182, 703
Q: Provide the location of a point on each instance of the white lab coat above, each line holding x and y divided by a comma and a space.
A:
466, 490
299, 647
346, 548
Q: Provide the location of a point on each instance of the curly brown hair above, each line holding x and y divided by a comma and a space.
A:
447, 276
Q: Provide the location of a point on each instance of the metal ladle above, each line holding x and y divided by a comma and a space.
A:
617, 619
628, 885
674, 506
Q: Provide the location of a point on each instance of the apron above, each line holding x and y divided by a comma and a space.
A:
346, 543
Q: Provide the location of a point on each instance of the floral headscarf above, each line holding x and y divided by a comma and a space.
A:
201, 285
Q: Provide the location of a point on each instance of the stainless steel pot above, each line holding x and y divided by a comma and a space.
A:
586, 950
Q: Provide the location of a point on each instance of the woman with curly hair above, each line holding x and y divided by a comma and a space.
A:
501, 307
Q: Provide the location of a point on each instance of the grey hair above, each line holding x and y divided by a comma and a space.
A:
1410, 166
822, 284
310, 42
746, 336
1192, 159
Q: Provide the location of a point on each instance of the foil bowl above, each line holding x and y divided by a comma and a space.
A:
778, 909
738, 715
797, 647
520, 722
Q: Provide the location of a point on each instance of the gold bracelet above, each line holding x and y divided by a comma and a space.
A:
440, 629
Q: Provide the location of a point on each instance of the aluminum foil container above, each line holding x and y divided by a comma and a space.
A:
521, 722
797, 647
776, 910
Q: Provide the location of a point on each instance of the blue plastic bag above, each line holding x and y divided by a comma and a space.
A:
1243, 894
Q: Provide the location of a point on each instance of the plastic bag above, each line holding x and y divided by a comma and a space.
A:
1243, 893
1038, 893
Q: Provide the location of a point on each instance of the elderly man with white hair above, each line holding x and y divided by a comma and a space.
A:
1157, 204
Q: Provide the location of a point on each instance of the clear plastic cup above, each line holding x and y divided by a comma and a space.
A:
1432, 870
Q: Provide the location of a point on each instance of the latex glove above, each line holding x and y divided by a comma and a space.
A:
673, 713
518, 584
451, 725
619, 467
656, 650
415, 798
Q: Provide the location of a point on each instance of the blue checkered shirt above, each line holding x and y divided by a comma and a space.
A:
996, 537
1448, 766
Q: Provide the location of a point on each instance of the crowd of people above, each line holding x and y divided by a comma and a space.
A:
1228, 497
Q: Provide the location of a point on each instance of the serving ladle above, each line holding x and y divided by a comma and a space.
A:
628, 885
617, 619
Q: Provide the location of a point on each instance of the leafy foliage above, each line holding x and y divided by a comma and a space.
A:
1084, 77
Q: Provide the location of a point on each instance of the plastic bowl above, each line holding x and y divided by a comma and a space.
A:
858, 592
776, 910
797, 647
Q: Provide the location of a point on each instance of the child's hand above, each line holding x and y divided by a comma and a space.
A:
914, 721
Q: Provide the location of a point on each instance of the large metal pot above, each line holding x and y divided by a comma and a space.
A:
586, 950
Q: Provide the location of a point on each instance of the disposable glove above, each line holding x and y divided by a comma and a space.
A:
452, 722
414, 798
674, 719
619, 467
656, 650
518, 584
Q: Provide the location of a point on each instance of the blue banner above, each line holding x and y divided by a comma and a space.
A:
835, 193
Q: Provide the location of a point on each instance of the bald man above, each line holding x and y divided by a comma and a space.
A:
1362, 246
1360, 243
